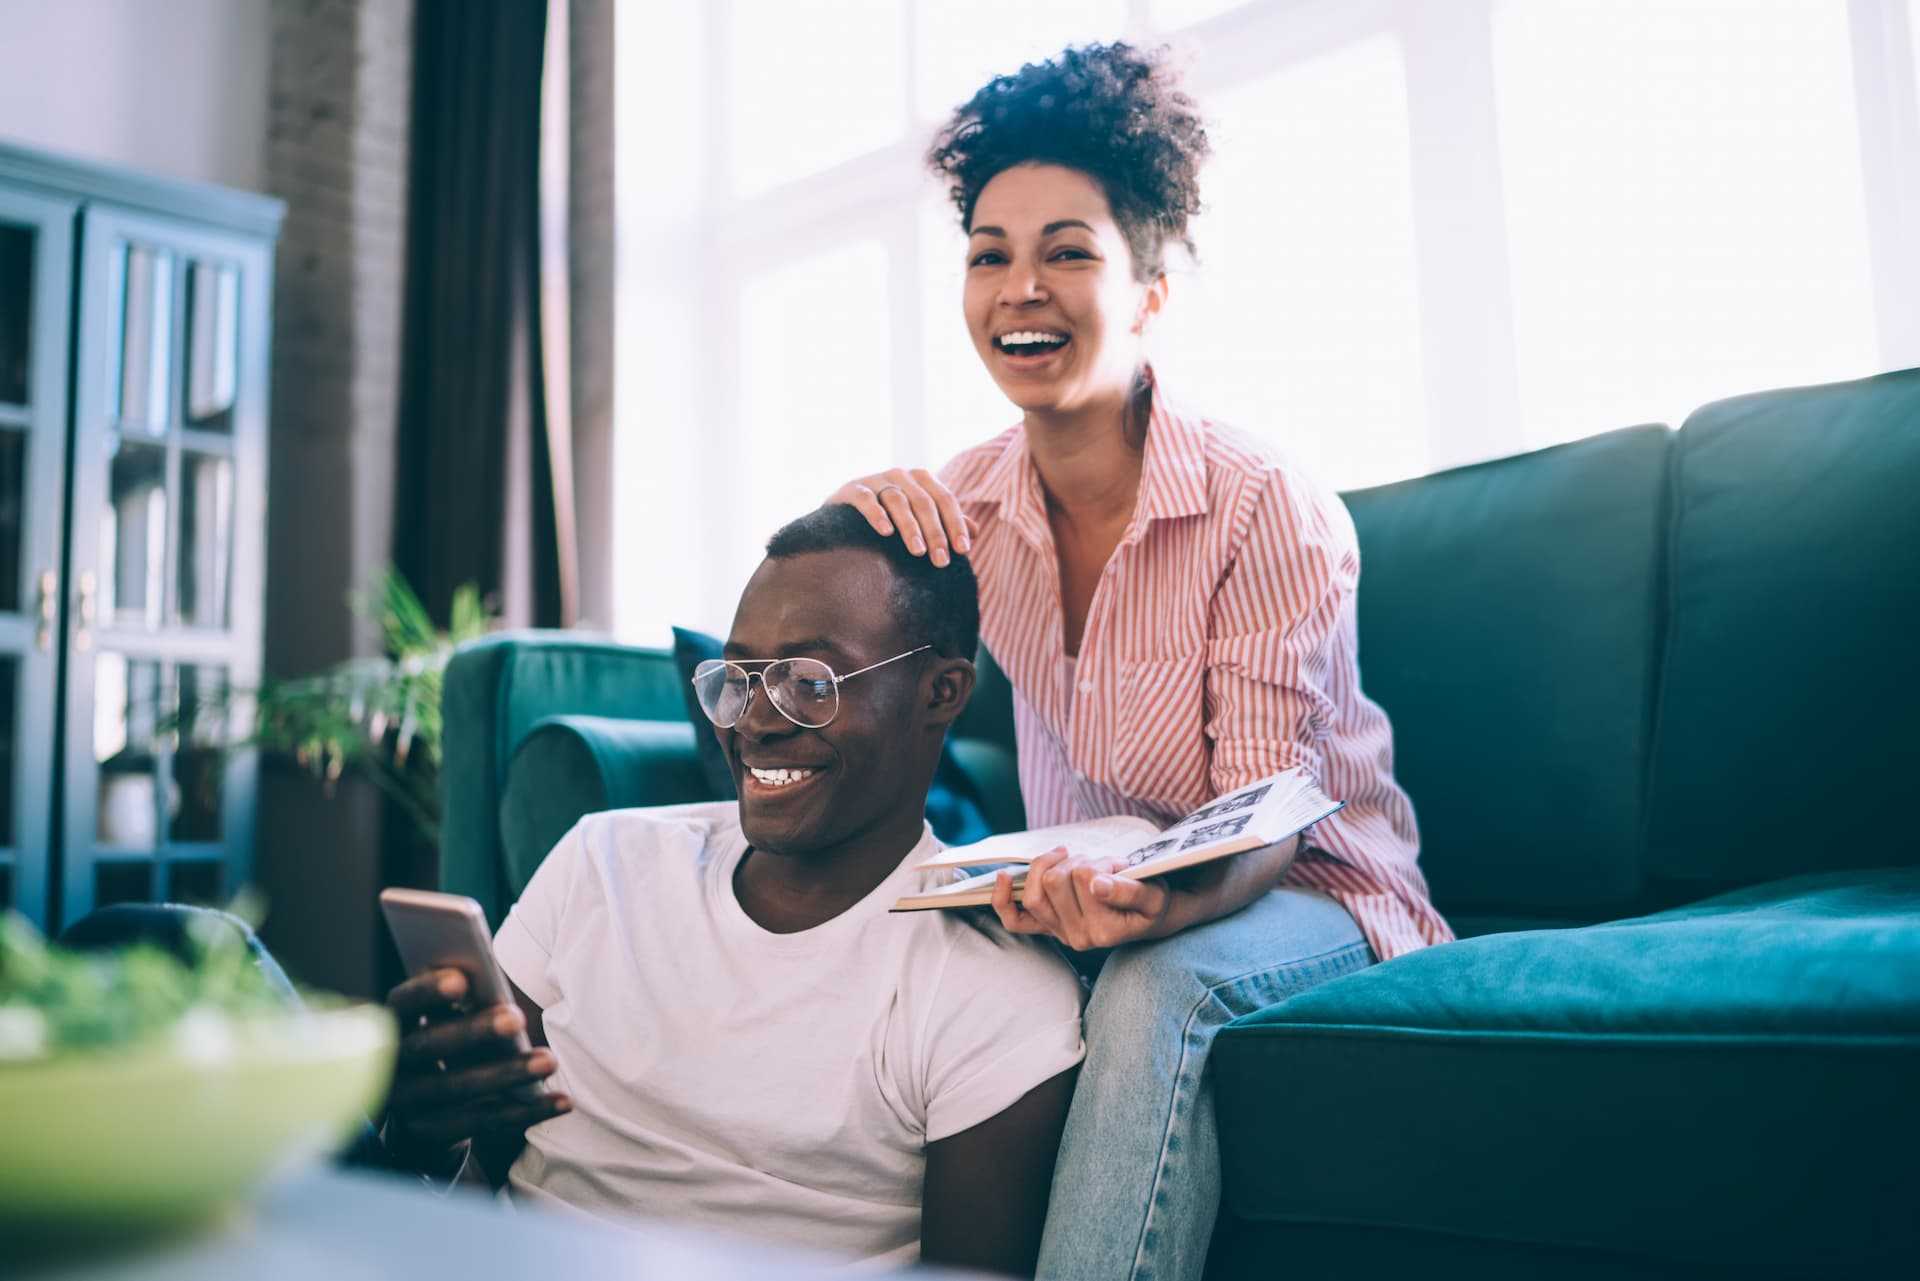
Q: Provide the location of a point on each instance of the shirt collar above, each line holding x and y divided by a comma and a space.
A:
1173, 475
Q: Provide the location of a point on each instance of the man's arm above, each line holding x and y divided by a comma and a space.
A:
461, 1076
985, 1197
497, 1151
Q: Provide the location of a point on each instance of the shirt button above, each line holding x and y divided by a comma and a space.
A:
1086, 687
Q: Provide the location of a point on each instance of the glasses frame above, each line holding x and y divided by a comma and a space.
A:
711, 665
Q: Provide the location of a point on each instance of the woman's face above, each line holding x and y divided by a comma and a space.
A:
1051, 301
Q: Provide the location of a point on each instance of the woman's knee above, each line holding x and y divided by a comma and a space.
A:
1285, 942
1145, 984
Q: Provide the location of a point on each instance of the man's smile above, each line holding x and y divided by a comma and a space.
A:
780, 777
759, 782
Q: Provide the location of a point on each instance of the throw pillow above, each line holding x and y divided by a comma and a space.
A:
690, 649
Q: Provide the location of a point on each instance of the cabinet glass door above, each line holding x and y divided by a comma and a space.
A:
168, 493
36, 264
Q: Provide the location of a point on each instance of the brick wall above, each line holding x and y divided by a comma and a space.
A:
590, 235
337, 140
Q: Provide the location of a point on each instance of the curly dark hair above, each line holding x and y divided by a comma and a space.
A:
1111, 111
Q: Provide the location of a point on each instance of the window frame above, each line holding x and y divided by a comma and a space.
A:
1463, 280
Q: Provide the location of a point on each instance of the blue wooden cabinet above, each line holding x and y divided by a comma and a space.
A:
135, 327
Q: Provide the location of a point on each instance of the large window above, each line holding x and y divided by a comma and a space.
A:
1435, 233
815, 361
1685, 207
1301, 320
809, 86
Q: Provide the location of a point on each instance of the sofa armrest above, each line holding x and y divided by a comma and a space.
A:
571, 766
496, 690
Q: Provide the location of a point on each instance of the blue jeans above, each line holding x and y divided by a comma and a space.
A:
1137, 1185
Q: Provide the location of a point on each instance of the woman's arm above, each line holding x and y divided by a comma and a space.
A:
985, 1196
1270, 651
1272, 628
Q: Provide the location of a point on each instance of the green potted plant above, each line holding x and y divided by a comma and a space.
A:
379, 716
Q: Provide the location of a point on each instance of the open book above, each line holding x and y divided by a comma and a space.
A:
1258, 815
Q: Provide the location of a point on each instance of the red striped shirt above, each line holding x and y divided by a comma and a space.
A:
1220, 647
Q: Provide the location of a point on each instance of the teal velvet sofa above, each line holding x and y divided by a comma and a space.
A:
1656, 697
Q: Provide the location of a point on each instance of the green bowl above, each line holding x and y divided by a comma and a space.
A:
174, 1130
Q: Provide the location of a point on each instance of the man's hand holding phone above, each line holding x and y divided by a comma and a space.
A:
464, 1073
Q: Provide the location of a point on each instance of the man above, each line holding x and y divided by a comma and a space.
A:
736, 1032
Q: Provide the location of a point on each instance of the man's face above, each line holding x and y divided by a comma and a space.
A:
867, 765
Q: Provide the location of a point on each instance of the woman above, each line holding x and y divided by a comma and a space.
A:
1174, 604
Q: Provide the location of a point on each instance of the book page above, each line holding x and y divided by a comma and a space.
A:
1113, 837
1257, 815
965, 887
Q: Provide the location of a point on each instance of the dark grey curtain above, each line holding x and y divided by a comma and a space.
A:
472, 380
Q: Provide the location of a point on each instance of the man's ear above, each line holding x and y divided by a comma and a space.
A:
949, 686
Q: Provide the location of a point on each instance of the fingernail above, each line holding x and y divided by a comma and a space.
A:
886, 527
1103, 885
939, 557
562, 1105
450, 985
965, 544
916, 546
506, 1022
540, 1061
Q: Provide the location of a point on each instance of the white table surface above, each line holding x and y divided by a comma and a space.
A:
336, 1225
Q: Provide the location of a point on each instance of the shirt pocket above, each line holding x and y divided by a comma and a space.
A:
1159, 731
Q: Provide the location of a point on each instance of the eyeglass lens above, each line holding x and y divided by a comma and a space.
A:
801, 689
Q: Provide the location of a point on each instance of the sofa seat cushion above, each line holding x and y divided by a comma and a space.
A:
1730, 1083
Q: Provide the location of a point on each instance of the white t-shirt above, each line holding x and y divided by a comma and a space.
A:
784, 1085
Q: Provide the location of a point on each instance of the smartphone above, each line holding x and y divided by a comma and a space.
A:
449, 931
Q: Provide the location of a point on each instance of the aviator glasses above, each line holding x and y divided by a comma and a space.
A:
804, 690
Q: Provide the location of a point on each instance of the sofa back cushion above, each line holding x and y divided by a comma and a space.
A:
1508, 624
1790, 706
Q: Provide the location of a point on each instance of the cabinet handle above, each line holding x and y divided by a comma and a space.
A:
47, 606
83, 636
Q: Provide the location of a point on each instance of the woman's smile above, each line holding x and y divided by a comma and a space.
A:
1032, 350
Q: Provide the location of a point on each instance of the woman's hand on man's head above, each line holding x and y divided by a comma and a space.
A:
1079, 900
913, 503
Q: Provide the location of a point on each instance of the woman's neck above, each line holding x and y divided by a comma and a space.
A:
1089, 459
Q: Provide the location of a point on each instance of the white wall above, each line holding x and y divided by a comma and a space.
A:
170, 87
